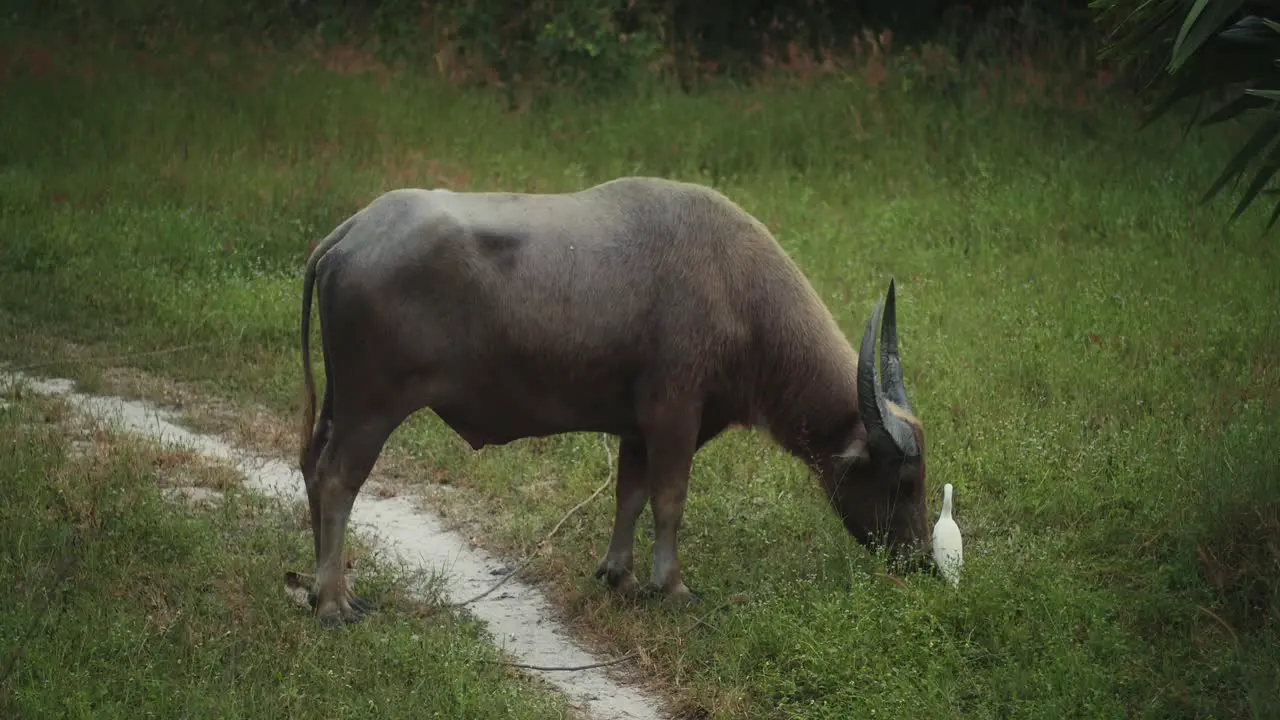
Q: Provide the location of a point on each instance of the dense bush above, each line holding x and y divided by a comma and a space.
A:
599, 41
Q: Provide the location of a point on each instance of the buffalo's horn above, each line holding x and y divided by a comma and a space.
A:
890, 365
868, 392
871, 400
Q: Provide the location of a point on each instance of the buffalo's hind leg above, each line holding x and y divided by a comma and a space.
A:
341, 471
310, 462
631, 495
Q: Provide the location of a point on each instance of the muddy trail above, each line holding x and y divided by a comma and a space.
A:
518, 615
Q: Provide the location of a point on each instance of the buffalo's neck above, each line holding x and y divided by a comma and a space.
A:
807, 393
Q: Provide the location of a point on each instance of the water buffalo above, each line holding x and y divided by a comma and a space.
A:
657, 311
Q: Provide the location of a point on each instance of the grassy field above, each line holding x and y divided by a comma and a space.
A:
118, 604
1097, 363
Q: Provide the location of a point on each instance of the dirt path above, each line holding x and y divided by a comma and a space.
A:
518, 615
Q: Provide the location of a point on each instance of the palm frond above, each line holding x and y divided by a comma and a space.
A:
1212, 49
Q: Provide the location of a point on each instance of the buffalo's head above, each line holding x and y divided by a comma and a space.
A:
877, 484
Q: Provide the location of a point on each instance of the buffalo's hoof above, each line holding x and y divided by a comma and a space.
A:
348, 611
677, 595
619, 579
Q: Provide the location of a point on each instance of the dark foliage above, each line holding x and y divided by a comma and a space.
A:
1222, 54
573, 40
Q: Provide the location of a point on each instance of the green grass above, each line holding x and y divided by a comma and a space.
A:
124, 606
1097, 363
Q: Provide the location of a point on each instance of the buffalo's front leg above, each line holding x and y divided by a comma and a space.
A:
632, 494
671, 440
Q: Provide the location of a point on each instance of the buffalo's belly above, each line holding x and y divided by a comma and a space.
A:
497, 410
